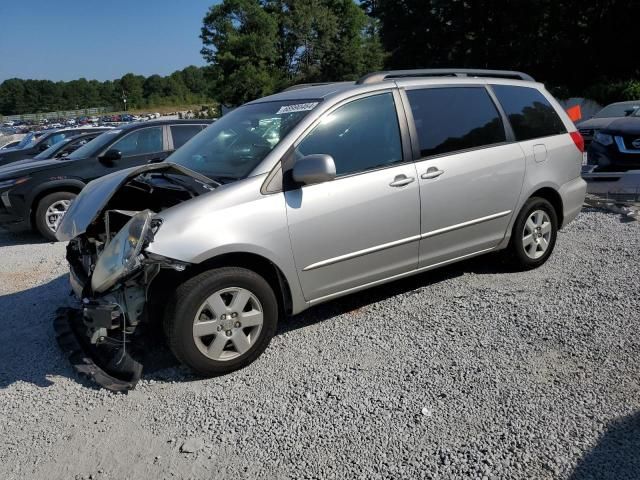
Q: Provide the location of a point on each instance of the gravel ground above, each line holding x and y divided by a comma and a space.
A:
466, 372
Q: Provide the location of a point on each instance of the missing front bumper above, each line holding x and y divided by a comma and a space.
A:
110, 366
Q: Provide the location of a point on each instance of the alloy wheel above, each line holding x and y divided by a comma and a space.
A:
228, 323
536, 234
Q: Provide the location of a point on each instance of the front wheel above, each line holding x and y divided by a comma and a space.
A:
50, 211
534, 234
221, 320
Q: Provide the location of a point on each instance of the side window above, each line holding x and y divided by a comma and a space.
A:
456, 118
55, 138
530, 113
73, 146
182, 133
361, 135
140, 142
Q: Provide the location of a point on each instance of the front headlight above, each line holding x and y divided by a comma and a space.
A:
12, 182
603, 139
120, 256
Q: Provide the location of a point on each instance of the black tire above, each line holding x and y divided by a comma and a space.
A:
41, 212
517, 254
180, 317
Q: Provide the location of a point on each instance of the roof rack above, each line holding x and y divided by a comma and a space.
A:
376, 77
306, 85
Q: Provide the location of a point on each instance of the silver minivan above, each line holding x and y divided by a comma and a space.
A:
307, 195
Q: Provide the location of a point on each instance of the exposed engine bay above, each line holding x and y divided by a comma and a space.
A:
111, 274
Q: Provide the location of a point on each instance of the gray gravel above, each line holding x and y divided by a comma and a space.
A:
467, 372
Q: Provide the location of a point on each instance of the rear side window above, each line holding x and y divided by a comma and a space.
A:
452, 119
530, 113
182, 134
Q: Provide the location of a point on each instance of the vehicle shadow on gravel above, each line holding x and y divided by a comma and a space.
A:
491, 263
161, 365
28, 349
23, 237
616, 456
29, 352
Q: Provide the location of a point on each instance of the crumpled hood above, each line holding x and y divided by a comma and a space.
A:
627, 126
16, 169
94, 197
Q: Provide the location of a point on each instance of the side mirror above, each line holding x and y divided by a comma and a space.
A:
42, 147
317, 168
111, 155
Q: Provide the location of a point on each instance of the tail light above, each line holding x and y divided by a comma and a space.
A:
578, 140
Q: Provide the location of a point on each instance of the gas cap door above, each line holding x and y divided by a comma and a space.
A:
540, 152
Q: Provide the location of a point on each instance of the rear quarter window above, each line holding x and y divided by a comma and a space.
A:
529, 112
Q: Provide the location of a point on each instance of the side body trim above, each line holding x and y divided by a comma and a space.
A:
396, 277
403, 241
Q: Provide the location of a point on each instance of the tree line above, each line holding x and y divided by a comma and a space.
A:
256, 47
189, 86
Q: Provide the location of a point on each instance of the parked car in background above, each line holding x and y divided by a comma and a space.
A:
66, 146
15, 143
311, 194
616, 147
588, 128
38, 193
46, 139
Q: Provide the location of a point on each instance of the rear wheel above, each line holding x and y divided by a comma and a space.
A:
534, 234
50, 211
221, 320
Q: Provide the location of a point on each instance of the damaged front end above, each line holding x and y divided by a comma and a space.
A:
111, 273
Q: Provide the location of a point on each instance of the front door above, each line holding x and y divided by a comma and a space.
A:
363, 226
470, 175
138, 147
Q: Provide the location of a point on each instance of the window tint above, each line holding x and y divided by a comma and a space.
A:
530, 113
361, 135
145, 140
182, 133
450, 119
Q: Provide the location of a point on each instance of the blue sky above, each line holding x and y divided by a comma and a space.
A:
103, 40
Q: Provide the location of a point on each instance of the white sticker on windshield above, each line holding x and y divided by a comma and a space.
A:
297, 107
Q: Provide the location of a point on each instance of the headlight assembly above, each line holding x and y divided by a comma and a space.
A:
120, 256
603, 139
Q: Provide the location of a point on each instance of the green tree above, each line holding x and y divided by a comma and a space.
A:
565, 43
239, 39
258, 47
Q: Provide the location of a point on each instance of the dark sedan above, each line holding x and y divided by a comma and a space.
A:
38, 192
604, 117
616, 148
45, 141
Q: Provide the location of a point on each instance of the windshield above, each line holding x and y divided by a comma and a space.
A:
618, 110
94, 146
233, 146
51, 151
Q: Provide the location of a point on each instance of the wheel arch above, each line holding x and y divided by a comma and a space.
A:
251, 261
553, 197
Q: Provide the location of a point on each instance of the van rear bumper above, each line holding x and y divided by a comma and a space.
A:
572, 194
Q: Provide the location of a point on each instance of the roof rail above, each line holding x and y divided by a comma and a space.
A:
306, 85
442, 72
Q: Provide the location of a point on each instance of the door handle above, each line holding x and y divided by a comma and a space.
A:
432, 172
401, 181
